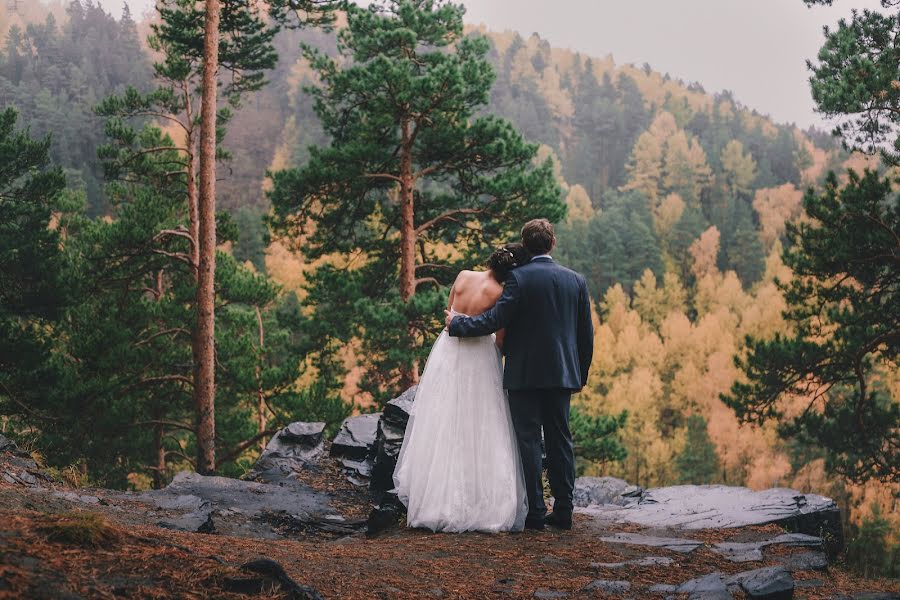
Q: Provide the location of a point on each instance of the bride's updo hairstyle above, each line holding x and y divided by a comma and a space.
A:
507, 258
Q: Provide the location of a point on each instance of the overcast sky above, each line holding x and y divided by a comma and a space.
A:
755, 48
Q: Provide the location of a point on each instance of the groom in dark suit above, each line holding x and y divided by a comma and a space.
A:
546, 311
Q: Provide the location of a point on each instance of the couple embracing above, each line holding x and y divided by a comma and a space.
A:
472, 457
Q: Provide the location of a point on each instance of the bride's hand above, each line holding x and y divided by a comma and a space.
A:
448, 317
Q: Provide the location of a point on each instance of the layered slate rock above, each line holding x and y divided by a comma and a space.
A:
680, 545
596, 491
718, 507
769, 583
389, 439
294, 448
194, 502
753, 551
644, 561
356, 438
708, 587
606, 586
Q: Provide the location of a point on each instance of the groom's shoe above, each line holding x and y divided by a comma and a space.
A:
536, 523
560, 519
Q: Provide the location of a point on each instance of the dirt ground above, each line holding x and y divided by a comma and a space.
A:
54, 547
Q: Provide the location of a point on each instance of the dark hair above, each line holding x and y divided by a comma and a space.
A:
538, 236
507, 258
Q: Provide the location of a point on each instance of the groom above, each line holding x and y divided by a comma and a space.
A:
546, 311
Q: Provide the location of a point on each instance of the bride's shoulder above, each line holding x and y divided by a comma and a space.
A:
465, 274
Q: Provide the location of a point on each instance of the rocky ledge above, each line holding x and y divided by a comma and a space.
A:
683, 541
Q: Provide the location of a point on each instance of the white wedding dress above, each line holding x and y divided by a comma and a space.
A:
459, 467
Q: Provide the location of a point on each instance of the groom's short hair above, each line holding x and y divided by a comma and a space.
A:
538, 236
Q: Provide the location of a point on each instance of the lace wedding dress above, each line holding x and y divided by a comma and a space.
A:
459, 467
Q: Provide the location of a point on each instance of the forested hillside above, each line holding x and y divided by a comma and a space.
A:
678, 205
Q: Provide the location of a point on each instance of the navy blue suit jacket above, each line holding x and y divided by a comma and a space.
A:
546, 311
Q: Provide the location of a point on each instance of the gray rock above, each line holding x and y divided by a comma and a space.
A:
358, 471
752, 551
7, 445
356, 438
297, 444
769, 583
645, 561
662, 588
683, 546
876, 596
548, 594
608, 587
603, 490
719, 506
243, 508
389, 439
709, 586
806, 561
73, 497
396, 411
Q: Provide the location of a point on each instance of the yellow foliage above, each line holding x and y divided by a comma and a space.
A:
578, 203
776, 207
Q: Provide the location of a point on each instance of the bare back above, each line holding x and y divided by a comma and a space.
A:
474, 292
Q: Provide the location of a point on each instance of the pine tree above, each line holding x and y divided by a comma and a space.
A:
854, 75
843, 308
410, 168
698, 462
35, 286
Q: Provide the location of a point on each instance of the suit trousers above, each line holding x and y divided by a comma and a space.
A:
547, 409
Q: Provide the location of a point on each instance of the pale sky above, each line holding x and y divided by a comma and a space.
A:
755, 48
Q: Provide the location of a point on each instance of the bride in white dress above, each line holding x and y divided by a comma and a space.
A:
459, 467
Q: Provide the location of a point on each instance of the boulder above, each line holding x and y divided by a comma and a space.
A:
389, 439
708, 587
719, 506
769, 583
604, 490
396, 411
356, 438
291, 449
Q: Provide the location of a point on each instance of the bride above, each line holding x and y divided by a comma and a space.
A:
459, 468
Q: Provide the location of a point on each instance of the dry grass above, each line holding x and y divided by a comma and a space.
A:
85, 529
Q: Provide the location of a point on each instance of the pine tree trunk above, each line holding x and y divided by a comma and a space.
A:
409, 374
160, 469
204, 367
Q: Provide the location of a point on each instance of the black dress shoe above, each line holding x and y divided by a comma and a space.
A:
559, 520
536, 523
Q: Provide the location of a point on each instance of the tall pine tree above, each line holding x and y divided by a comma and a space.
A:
413, 185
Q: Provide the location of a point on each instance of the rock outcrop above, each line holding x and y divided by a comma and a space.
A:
296, 447
389, 440
718, 506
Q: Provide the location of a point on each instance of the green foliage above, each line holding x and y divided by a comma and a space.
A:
698, 462
252, 238
870, 551
34, 281
844, 307
855, 78
617, 245
406, 65
598, 438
